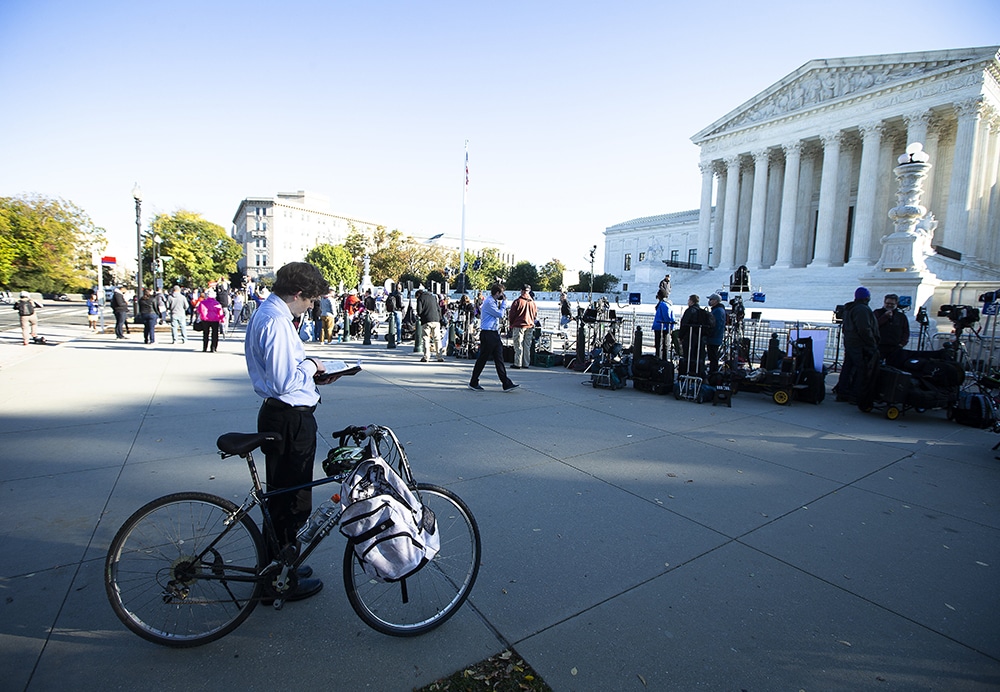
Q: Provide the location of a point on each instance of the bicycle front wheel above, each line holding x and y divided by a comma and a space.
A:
434, 593
181, 573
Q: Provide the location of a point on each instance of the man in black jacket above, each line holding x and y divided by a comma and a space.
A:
119, 306
429, 314
860, 347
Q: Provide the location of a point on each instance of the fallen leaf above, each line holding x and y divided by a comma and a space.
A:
949, 607
641, 679
841, 641
572, 671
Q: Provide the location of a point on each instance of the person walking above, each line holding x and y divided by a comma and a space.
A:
176, 315
25, 307
211, 315
523, 313
716, 331
328, 317
119, 306
284, 378
663, 322
565, 312
429, 314
148, 316
860, 347
93, 311
490, 345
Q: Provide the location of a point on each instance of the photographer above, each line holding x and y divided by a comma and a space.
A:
860, 347
893, 329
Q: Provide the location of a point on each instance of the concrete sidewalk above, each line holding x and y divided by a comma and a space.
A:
630, 541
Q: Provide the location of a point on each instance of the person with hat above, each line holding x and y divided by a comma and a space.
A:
29, 320
522, 315
860, 333
716, 331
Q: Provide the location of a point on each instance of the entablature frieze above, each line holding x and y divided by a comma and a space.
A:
933, 94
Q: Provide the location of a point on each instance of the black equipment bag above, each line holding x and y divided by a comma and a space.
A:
508, 354
893, 386
652, 374
813, 389
975, 410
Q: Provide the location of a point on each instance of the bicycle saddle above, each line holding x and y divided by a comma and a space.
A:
243, 443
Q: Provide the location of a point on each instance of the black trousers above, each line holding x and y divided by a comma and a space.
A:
490, 348
120, 327
211, 332
289, 464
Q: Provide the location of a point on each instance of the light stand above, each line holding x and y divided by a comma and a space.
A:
137, 196
590, 295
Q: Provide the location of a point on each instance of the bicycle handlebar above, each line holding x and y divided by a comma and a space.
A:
357, 432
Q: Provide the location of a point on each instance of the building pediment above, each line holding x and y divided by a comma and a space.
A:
822, 82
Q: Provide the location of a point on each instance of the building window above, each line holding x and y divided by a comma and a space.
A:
628, 261
265, 226
693, 256
675, 255
624, 287
642, 256
710, 255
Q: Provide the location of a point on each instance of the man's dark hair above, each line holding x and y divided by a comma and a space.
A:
496, 288
300, 276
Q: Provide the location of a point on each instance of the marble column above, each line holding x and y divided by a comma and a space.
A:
864, 208
789, 205
957, 236
917, 124
758, 209
720, 211
980, 193
803, 242
822, 253
727, 256
705, 212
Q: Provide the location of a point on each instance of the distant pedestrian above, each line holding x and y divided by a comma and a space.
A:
26, 307
861, 353
148, 316
565, 312
665, 287
93, 311
429, 313
328, 317
212, 314
119, 306
523, 313
490, 346
663, 322
176, 315
716, 331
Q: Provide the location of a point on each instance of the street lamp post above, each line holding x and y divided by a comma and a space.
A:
157, 274
137, 196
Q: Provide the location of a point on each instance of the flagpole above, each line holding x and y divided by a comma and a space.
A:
465, 197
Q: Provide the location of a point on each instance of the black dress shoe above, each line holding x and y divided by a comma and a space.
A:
304, 589
304, 572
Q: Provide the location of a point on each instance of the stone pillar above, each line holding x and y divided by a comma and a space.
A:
931, 147
720, 211
746, 206
705, 212
864, 208
822, 253
992, 226
802, 244
775, 183
789, 205
758, 209
917, 124
727, 256
956, 234
980, 185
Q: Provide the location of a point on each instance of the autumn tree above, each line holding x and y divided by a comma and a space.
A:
550, 275
46, 245
200, 251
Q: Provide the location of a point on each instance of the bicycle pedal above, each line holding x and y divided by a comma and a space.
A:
279, 603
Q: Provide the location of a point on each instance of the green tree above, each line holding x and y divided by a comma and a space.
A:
46, 245
392, 254
603, 283
483, 270
522, 273
336, 264
199, 250
550, 275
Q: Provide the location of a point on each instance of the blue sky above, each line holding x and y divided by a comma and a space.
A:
578, 114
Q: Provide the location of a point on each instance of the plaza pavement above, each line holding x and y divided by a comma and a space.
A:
630, 541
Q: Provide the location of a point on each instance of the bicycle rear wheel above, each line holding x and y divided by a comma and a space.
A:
437, 590
159, 588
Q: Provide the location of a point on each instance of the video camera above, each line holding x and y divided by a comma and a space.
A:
989, 297
922, 316
739, 311
962, 316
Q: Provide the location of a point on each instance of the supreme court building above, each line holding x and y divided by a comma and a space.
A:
801, 175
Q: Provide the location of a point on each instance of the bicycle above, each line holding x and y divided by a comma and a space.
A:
188, 568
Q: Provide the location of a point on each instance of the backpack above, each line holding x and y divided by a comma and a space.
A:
25, 307
393, 535
976, 410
